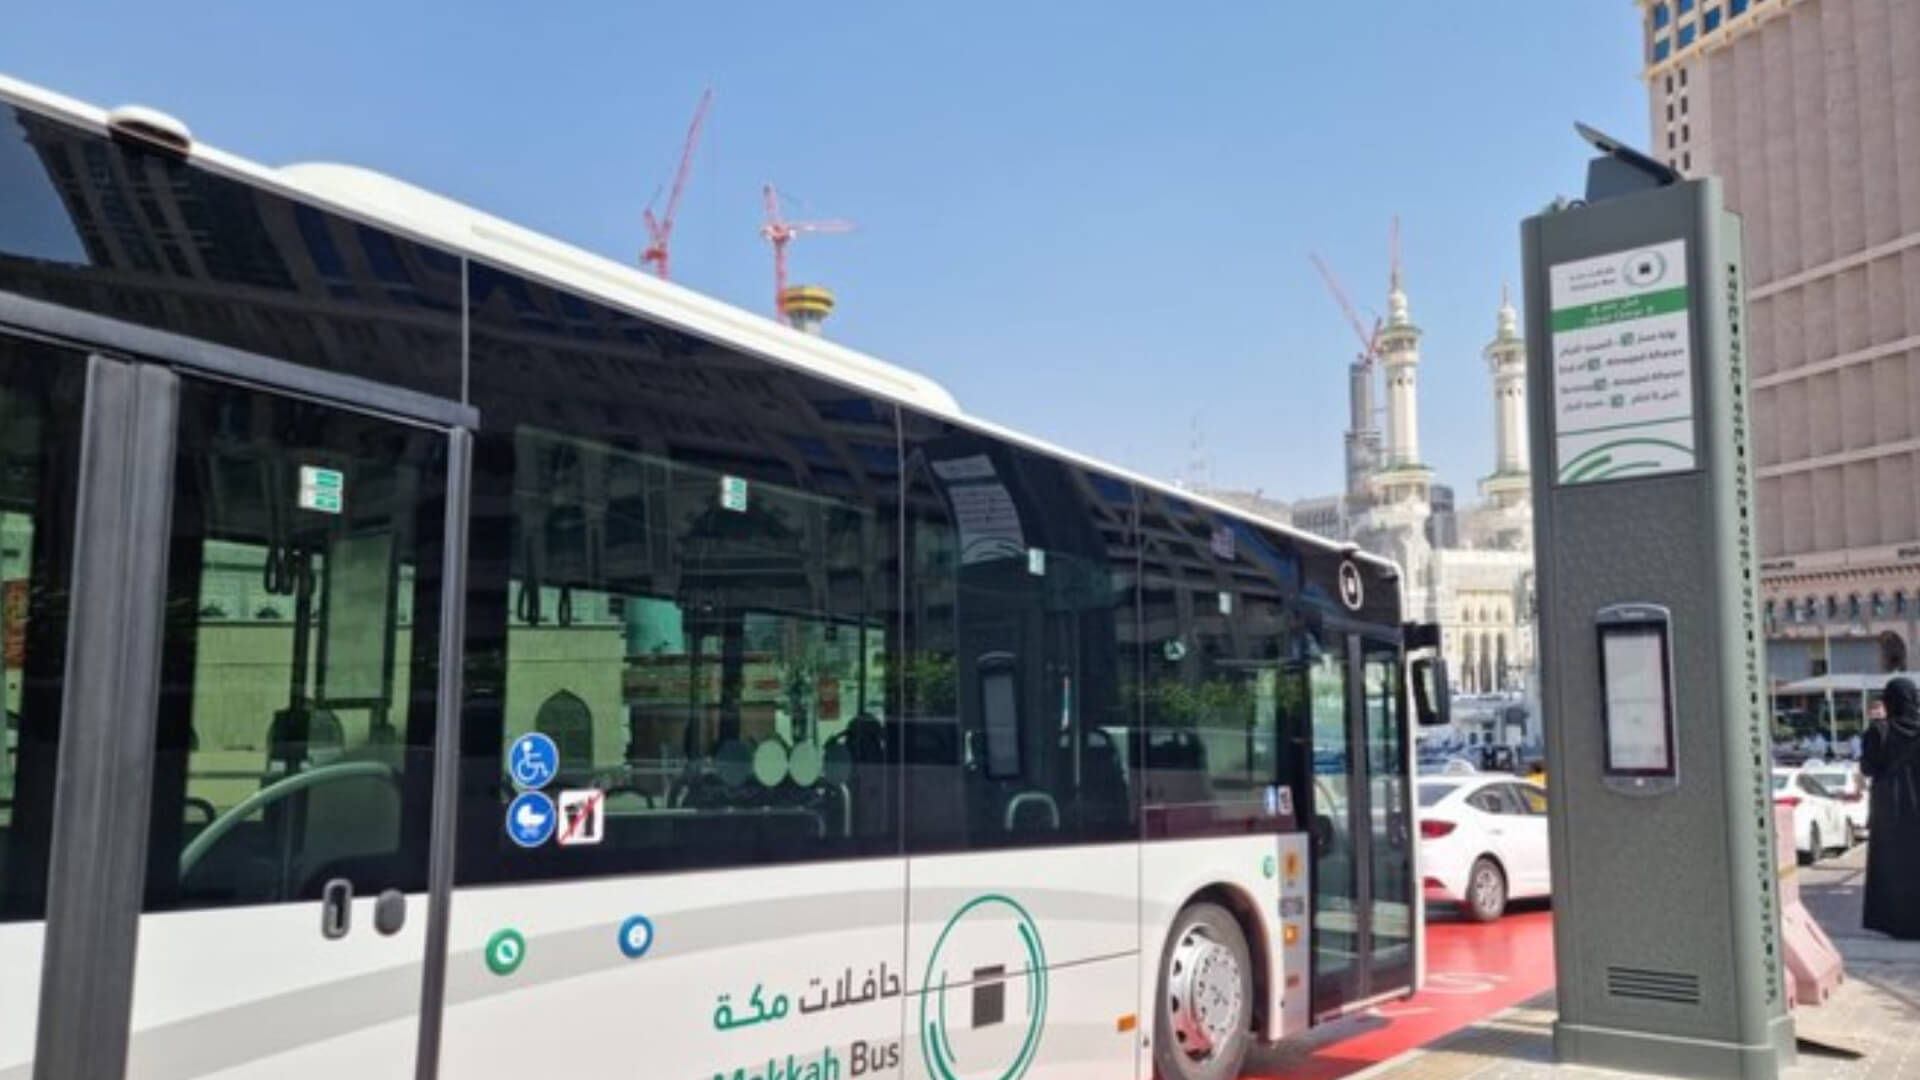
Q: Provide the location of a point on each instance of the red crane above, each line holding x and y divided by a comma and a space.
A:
660, 229
1369, 342
779, 232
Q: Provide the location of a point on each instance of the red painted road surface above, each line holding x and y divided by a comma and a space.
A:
1473, 971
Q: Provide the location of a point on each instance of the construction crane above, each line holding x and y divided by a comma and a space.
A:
779, 232
1369, 342
660, 229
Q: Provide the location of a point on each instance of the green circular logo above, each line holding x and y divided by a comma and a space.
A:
1267, 866
989, 937
505, 950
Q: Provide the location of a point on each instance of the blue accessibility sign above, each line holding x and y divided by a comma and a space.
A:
533, 760
531, 819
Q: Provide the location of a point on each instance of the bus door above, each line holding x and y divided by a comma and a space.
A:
243, 822
1363, 900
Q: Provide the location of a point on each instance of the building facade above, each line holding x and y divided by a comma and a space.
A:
1809, 110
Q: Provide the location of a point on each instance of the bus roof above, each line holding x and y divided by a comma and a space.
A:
381, 200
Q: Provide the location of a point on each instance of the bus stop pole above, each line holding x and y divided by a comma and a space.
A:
1667, 921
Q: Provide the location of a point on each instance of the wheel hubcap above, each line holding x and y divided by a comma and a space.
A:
1203, 994
1486, 890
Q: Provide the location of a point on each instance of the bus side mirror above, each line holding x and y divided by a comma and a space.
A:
1432, 700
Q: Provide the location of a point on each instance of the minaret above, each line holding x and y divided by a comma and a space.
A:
1507, 362
1401, 477
1400, 353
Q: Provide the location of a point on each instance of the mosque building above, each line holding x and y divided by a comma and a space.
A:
1469, 569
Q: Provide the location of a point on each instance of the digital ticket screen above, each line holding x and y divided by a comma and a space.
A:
1637, 699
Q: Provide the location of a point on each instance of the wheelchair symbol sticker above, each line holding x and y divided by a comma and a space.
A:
533, 761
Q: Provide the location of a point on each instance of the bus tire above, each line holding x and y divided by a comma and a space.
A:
1203, 1015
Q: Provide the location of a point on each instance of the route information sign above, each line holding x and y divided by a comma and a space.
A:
1622, 365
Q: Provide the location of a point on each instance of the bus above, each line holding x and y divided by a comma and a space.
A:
434, 650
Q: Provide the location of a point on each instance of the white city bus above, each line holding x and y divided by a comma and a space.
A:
432, 650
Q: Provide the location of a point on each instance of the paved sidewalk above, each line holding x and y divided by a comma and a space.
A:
1875, 1012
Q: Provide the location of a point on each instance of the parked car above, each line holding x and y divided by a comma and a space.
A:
1819, 818
1483, 842
1845, 781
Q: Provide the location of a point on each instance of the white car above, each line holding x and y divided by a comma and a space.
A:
1845, 781
1483, 842
1820, 821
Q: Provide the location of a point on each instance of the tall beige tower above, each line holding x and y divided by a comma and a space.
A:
1400, 356
1401, 478
1807, 110
1506, 357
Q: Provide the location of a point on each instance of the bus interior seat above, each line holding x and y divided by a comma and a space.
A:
324, 740
1104, 798
865, 743
866, 740
1030, 811
350, 817
936, 790
1176, 768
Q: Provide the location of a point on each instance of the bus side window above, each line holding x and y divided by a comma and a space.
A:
685, 573
1021, 623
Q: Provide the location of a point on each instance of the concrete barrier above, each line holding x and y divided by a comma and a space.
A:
1814, 967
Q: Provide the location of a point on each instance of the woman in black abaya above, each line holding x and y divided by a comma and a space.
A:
1890, 757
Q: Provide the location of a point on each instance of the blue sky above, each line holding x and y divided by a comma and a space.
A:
1090, 220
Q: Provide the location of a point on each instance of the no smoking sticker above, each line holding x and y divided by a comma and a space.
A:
583, 817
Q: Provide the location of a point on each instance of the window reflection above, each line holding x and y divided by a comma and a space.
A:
1392, 840
1225, 672
684, 572
698, 645
97, 225
1336, 905
1021, 646
296, 715
40, 392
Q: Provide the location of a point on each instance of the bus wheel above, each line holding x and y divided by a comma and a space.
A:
1204, 1024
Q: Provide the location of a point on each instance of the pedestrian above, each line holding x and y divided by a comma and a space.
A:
1890, 757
